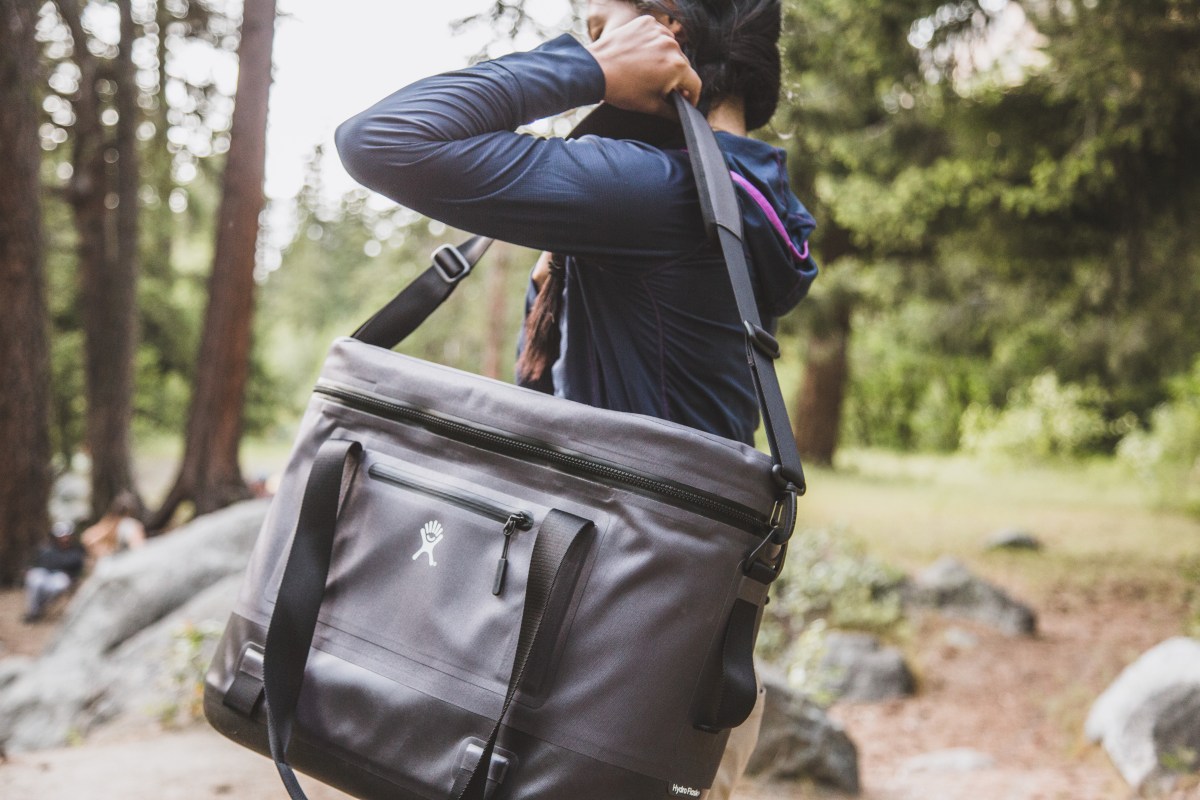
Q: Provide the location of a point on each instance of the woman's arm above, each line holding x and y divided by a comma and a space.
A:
445, 147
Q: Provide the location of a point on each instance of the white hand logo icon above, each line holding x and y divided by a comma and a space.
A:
431, 534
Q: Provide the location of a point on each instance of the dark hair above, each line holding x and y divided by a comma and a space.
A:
734, 47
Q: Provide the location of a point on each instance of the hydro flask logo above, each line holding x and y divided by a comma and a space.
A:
431, 534
684, 791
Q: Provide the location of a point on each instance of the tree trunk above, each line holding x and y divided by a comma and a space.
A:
107, 267
818, 415
24, 351
210, 475
497, 351
817, 419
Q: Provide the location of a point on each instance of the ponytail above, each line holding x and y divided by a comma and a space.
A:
542, 335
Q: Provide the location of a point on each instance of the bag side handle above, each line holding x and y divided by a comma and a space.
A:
294, 619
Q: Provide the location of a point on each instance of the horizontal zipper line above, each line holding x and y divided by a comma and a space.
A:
741, 516
477, 505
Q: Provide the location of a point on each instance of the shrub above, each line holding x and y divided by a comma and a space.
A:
828, 582
1042, 419
1167, 455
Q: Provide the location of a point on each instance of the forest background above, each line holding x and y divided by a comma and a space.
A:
1006, 191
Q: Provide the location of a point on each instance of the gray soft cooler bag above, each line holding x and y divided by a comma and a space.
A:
466, 589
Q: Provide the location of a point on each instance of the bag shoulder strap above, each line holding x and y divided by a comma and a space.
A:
723, 220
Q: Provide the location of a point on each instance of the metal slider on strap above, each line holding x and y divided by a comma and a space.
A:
763, 342
451, 265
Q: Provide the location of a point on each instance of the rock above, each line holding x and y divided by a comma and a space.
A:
1013, 539
958, 759
157, 671
1175, 661
132, 590
1149, 718
114, 656
1160, 739
12, 668
949, 587
960, 639
41, 708
857, 667
799, 740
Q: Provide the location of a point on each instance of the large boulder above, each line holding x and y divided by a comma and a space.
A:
947, 586
112, 656
857, 667
130, 591
799, 740
1149, 718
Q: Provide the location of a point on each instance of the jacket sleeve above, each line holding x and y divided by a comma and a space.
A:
446, 147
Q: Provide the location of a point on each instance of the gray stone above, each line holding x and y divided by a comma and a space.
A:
948, 587
960, 639
1149, 718
1175, 661
799, 740
1013, 539
114, 656
957, 759
42, 707
12, 668
858, 668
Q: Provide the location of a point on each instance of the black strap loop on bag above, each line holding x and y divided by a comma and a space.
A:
294, 620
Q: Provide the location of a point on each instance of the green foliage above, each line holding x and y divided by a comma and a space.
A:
191, 650
349, 258
829, 582
829, 578
1167, 454
1042, 419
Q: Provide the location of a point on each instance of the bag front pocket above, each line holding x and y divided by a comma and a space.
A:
432, 569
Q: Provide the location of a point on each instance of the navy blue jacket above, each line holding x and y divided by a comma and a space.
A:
650, 324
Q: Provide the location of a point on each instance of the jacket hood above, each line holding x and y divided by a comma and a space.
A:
776, 223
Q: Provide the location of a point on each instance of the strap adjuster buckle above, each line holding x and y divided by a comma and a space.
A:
762, 341
451, 265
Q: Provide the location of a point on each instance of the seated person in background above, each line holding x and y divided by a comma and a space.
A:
54, 568
117, 530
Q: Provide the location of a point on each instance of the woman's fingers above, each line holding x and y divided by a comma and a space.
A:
642, 64
689, 86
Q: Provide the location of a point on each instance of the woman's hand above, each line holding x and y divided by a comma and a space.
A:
642, 64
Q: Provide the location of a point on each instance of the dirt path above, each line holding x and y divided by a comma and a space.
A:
1020, 702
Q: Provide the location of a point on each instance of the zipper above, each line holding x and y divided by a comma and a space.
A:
513, 520
676, 494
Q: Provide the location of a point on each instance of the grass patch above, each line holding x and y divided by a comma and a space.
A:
1099, 528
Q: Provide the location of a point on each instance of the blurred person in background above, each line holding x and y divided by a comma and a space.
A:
56, 566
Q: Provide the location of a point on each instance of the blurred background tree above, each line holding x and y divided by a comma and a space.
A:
24, 357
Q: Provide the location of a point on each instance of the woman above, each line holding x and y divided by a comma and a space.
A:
637, 313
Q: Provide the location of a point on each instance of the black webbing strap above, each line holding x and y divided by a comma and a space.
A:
736, 689
558, 531
294, 620
722, 216
405, 312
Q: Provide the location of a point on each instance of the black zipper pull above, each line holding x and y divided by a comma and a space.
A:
522, 520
